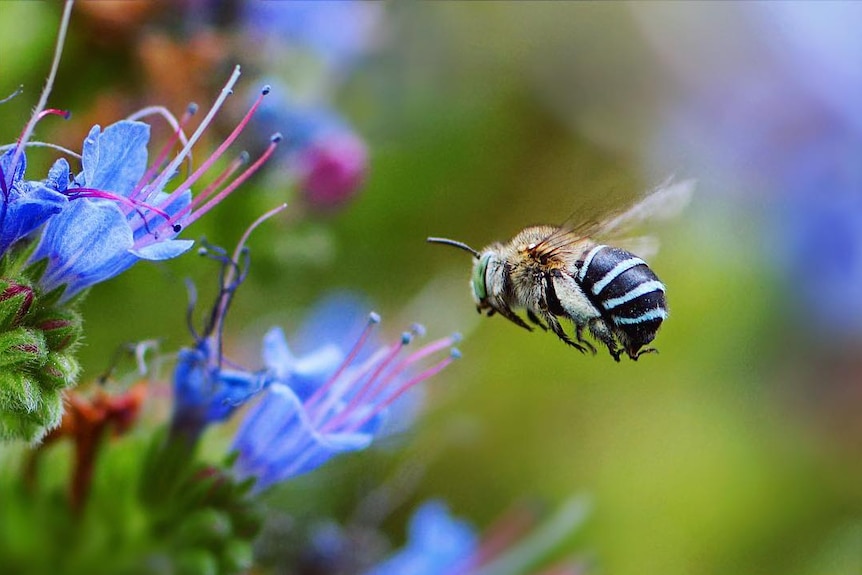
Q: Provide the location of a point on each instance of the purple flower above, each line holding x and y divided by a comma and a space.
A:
120, 211
332, 169
26, 205
437, 543
324, 155
333, 400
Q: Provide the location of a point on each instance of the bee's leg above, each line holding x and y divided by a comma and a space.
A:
639, 353
579, 334
532, 317
555, 326
505, 311
601, 332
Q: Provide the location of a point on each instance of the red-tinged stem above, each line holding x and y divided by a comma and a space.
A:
65, 114
49, 84
502, 534
229, 275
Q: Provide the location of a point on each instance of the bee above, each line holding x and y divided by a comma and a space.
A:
557, 272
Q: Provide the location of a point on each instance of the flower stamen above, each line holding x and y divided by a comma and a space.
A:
178, 135
323, 390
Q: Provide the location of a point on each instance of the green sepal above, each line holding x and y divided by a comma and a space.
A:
62, 327
36, 270
13, 306
38, 338
22, 349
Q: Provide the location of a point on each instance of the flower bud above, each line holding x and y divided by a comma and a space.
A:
15, 302
332, 169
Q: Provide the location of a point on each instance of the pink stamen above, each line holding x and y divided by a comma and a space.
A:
373, 319
370, 382
270, 150
220, 150
424, 352
101, 194
162, 157
502, 534
65, 114
360, 373
405, 387
213, 187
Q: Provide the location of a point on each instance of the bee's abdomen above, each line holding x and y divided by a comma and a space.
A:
626, 290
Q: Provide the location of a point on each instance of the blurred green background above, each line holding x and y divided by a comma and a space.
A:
734, 450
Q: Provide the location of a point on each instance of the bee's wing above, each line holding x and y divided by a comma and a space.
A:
644, 246
662, 203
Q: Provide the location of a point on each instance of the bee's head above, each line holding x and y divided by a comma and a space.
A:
480, 267
479, 279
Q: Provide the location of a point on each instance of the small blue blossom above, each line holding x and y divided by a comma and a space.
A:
437, 543
205, 391
120, 212
338, 32
331, 401
26, 205
207, 387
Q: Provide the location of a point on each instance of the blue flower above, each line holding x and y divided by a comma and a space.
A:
120, 212
95, 239
339, 33
26, 205
207, 387
205, 391
437, 543
333, 400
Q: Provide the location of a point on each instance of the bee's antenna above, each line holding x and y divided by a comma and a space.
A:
449, 242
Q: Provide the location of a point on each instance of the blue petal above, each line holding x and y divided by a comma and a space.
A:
276, 354
154, 221
58, 176
339, 318
27, 211
303, 374
276, 440
6, 166
437, 543
163, 250
87, 243
203, 392
116, 159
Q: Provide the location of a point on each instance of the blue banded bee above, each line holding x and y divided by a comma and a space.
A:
561, 271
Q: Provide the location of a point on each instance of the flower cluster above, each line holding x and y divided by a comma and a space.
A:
307, 408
